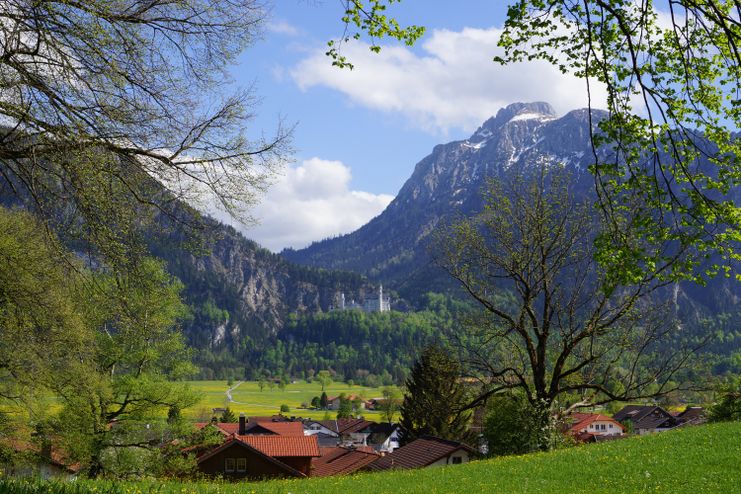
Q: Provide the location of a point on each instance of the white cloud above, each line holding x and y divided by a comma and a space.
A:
454, 84
310, 202
282, 27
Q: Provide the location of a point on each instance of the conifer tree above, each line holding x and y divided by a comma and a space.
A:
228, 416
435, 398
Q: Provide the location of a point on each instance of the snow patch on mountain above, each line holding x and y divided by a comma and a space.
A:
531, 116
474, 145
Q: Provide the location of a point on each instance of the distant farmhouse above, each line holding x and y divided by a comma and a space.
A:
646, 419
377, 303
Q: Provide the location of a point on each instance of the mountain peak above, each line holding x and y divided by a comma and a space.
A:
515, 111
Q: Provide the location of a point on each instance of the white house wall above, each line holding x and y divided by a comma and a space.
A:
448, 460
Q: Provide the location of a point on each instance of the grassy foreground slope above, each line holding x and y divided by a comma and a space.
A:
696, 459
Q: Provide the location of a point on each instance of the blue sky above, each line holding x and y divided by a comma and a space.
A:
359, 133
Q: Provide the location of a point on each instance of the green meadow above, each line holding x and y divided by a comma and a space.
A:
703, 459
248, 398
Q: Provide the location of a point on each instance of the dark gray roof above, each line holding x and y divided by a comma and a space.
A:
419, 453
646, 417
382, 428
632, 412
692, 415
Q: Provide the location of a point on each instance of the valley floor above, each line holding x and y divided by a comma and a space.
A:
247, 398
702, 459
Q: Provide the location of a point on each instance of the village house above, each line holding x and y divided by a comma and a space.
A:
592, 427
261, 456
253, 426
339, 432
326, 436
384, 437
334, 402
645, 419
692, 416
43, 461
260, 449
427, 451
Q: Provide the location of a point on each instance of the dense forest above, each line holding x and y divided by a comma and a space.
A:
379, 348
369, 348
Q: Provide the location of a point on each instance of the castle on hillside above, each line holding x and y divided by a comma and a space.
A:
377, 303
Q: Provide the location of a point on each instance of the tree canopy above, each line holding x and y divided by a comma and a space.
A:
138, 90
553, 325
107, 354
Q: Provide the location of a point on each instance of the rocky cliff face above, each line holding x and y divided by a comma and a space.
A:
240, 290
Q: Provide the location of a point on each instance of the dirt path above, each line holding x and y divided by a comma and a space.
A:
229, 392
231, 400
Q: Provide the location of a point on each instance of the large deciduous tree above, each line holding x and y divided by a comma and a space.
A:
553, 325
112, 420
41, 308
88, 85
107, 354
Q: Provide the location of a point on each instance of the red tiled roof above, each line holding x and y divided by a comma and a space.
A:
584, 419
579, 416
342, 461
283, 428
56, 456
225, 428
419, 453
365, 449
283, 446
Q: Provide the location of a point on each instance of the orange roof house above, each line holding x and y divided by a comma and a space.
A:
261, 456
261, 425
586, 425
260, 449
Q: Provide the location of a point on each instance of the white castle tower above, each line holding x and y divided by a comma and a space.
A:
379, 304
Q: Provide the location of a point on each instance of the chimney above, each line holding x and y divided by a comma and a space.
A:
242, 424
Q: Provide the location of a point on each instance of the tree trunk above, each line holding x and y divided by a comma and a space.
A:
543, 424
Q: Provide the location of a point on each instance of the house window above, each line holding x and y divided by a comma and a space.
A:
457, 460
610, 425
229, 465
603, 427
241, 465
